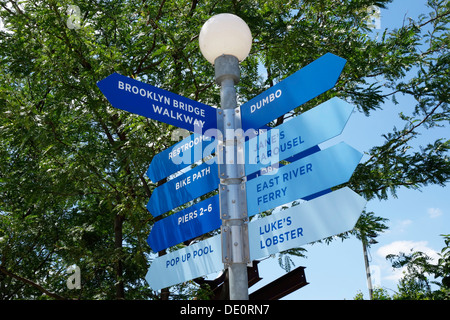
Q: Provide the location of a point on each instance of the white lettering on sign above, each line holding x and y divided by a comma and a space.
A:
167, 101
195, 176
194, 214
266, 100
178, 116
188, 145
143, 92
189, 108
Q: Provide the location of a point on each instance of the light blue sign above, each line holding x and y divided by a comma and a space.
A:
301, 133
304, 177
302, 86
181, 155
186, 224
146, 100
200, 218
194, 261
328, 215
186, 187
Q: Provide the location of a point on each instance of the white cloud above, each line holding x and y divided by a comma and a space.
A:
434, 212
404, 246
396, 274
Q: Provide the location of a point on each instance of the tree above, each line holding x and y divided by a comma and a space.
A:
416, 283
378, 294
72, 168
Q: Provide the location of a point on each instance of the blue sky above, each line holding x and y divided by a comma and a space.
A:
416, 218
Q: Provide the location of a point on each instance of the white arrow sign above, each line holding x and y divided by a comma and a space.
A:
328, 215
197, 260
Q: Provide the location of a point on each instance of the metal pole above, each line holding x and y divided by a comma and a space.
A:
366, 261
233, 203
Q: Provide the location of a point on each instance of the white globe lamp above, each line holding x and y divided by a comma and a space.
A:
225, 34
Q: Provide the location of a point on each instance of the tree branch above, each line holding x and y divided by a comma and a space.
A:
400, 139
31, 283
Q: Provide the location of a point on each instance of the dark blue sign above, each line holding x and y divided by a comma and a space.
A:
181, 155
158, 104
202, 217
186, 187
302, 178
302, 86
186, 224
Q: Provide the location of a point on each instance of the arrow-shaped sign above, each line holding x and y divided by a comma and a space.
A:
179, 156
186, 187
292, 140
155, 103
300, 87
311, 221
303, 132
309, 175
331, 214
186, 224
199, 219
194, 261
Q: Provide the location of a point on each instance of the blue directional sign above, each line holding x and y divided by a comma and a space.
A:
302, 86
181, 155
290, 141
194, 261
304, 177
186, 224
202, 217
328, 215
314, 220
303, 132
146, 100
186, 187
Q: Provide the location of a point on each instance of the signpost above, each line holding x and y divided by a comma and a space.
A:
155, 103
314, 173
331, 214
302, 86
310, 175
200, 218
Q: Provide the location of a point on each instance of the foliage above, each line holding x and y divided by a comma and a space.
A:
416, 283
419, 267
377, 294
72, 168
